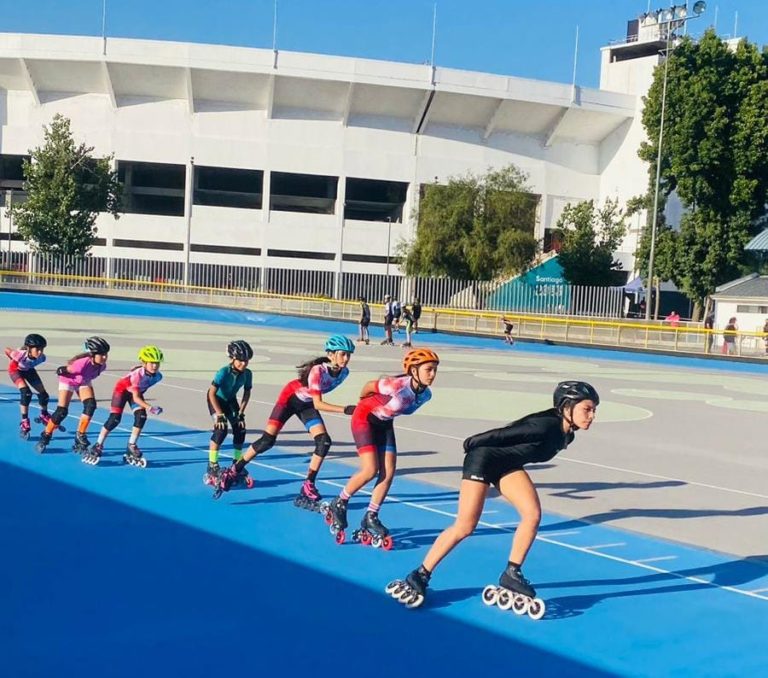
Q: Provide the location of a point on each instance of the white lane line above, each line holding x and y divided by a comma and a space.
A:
563, 533
656, 559
656, 476
606, 546
759, 590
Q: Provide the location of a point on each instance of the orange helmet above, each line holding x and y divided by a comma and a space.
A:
419, 356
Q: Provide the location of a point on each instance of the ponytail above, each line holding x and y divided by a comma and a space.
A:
305, 368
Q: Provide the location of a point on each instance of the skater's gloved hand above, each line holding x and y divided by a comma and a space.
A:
62, 371
155, 410
219, 421
241, 420
349, 409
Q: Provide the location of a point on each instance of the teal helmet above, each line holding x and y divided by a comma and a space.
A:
338, 342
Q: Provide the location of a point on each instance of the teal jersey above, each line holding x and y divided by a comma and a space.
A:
228, 382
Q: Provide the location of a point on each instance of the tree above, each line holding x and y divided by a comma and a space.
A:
714, 153
474, 227
590, 236
66, 189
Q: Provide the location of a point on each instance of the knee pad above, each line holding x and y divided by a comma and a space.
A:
112, 421
238, 437
139, 417
89, 407
266, 441
25, 395
218, 435
59, 414
323, 443
42, 399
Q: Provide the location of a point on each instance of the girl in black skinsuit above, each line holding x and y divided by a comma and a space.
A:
498, 457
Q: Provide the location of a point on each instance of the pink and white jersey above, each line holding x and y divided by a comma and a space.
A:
399, 398
82, 372
137, 380
20, 360
319, 381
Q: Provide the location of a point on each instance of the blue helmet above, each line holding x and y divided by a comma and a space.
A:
338, 342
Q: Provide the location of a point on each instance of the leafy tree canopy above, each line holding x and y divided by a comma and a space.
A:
474, 227
66, 189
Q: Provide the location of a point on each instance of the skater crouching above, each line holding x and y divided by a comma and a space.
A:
221, 399
373, 431
78, 375
303, 397
498, 457
130, 390
21, 370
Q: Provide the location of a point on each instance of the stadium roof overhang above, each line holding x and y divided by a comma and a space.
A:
356, 92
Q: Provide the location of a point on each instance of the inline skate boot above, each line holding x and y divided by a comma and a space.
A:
134, 457
213, 477
412, 591
81, 444
45, 439
24, 428
373, 533
93, 456
243, 479
308, 498
515, 593
44, 418
335, 515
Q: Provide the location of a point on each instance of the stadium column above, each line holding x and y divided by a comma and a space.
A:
266, 204
188, 195
341, 203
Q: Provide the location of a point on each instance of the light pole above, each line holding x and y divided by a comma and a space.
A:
667, 19
389, 238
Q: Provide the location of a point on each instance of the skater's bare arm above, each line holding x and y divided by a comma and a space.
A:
213, 400
369, 388
245, 399
321, 406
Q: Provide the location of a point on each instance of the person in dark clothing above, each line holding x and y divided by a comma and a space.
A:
416, 313
709, 324
365, 320
498, 457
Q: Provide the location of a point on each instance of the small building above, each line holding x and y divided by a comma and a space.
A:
746, 299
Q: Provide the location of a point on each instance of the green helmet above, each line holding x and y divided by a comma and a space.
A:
150, 354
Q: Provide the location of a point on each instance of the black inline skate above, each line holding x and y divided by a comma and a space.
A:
45, 439
93, 456
212, 475
308, 498
24, 428
81, 444
373, 533
335, 515
44, 418
134, 457
412, 591
515, 593
244, 479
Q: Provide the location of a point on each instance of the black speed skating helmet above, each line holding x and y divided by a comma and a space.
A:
35, 341
239, 350
573, 392
97, 346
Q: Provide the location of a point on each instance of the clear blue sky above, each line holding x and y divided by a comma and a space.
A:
511, 37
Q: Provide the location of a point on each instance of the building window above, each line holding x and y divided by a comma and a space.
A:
310, 193
742, 308
373, 200
228, 187
152, 188
11, 174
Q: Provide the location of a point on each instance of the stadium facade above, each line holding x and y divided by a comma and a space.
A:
251, 157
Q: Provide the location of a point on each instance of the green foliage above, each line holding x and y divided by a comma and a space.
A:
590, 236
66, 189
474, 227
715, 154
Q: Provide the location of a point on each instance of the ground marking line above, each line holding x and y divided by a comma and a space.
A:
606, 546
653, 560
500, 527
559, 458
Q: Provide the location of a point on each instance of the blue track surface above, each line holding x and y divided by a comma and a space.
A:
114, 571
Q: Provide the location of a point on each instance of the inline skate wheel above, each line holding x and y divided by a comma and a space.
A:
490, 595
536, 609
328, 518
39, 448
375, 541
413, 601
392, 586
340, 537
142, 462
365, 538
520, 604
504, 599
387, 543
24, 435
249, 482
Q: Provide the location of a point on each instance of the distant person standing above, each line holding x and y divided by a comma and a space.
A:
416, 313
508, 327
365, 320
397, 312
408, 318
709, 324
729, 337
765, 335
388, 317
673, 319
